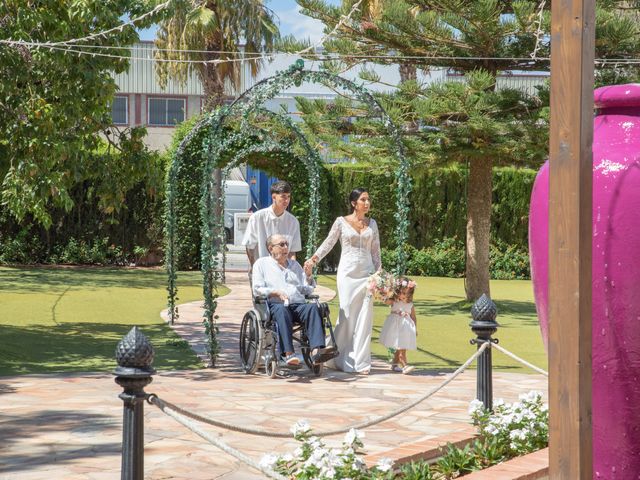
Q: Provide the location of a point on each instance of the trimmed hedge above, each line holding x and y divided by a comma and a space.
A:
438, 214
438, 202
437, 218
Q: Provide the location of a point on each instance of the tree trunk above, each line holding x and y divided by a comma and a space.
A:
478, 228
213, 87
407, 72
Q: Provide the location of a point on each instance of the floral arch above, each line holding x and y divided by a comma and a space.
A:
246, 141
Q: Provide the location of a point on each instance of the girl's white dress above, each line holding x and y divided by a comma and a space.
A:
360, 258
399, 331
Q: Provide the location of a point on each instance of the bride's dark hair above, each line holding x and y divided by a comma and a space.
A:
354, 196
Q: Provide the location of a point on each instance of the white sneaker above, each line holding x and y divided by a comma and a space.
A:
292, 359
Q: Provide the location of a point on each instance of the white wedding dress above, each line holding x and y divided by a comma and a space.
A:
360, 258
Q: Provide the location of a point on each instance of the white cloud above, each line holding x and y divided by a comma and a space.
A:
300, 26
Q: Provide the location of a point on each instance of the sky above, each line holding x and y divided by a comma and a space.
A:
291, 21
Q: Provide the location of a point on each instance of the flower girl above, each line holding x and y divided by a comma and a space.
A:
399, 330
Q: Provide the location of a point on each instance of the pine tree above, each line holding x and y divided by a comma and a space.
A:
479, 39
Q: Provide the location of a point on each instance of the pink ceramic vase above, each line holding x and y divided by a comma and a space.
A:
616, 278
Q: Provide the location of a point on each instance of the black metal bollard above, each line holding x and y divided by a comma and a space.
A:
484, 324
134, 355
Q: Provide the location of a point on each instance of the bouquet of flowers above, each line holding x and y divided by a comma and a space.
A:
382, 285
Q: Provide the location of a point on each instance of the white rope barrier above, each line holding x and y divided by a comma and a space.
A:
214, 440
517, 358
185, 417
169, 407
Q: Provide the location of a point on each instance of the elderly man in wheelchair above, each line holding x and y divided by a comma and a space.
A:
283, 285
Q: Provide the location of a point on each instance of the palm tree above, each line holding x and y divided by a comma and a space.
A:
237, 31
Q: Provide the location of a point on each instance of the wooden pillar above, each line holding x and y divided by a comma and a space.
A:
570, 237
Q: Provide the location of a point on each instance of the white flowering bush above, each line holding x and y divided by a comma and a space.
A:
509, 431
516, 428
314, 460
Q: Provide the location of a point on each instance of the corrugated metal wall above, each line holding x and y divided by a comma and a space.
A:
141, 77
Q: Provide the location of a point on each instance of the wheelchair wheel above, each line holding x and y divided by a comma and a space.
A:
270, 365
316, 369
250, 342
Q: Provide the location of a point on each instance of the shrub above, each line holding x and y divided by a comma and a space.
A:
90, 233
446, 258
80, 252
23, 248
509, 262
314, 460
518, 428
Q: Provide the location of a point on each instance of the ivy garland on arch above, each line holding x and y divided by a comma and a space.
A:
215, 146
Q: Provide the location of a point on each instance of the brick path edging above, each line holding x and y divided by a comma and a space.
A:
534, 466
424, 450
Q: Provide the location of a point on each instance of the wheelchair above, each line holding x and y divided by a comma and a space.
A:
259, 340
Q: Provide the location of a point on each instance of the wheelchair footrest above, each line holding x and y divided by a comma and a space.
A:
283, 364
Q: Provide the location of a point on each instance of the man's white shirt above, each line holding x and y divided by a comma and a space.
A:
268, 276
264, 223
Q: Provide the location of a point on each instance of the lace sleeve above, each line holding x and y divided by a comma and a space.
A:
375, 246
330, 241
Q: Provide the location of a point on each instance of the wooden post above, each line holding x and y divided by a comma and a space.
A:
570, 237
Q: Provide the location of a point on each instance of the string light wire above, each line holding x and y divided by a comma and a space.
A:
539, 32
132, 22
81, 50
70, 46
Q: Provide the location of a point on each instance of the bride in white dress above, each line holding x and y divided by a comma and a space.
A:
360, 258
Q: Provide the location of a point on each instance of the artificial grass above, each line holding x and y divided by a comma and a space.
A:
71, 319
443, 324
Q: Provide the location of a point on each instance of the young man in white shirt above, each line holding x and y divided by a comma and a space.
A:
285, 285
275, 219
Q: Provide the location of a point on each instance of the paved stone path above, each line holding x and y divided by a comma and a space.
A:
69, 426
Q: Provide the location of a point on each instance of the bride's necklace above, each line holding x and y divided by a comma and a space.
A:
358, 223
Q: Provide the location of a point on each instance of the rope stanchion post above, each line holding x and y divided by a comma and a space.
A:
134, 355
484, 325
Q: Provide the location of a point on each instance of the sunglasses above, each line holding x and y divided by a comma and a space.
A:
281, 244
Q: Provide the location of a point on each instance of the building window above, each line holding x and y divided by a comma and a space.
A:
166, 111
120, 111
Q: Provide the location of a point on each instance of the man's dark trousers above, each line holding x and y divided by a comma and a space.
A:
307, 314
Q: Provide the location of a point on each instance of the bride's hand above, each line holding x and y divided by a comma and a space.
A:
308, 267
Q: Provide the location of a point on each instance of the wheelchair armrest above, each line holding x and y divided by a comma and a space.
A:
260, 299
312, 296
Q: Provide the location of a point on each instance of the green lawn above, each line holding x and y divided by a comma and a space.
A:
443, 324
70, 319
